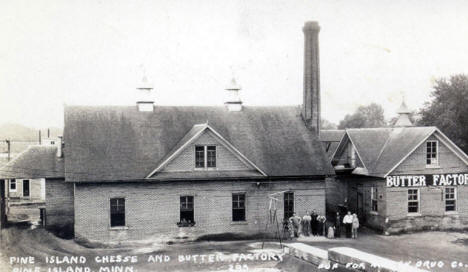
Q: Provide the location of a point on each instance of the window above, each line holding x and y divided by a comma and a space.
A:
117, 212
450, 199
374, 202
238, 207
12, 185
205, 156
211, 156
288, 204
199, 156
413, 200
186, 210
431, 153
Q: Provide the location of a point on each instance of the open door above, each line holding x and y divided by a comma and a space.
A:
26, 192
360, 205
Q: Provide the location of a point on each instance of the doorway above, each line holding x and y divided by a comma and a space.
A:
360, 206
26, 188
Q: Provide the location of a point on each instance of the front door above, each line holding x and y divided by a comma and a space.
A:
360, 207
26, 188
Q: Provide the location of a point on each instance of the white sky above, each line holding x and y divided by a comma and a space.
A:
91, 52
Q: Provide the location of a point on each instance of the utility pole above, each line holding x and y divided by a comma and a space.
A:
40, 140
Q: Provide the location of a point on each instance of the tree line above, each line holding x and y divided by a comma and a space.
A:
446, 110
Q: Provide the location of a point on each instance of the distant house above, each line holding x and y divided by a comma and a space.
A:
33, 177
402, 178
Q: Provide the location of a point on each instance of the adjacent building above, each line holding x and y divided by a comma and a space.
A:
401, 178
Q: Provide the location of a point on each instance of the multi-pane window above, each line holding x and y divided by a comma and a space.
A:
117, 212
450, 199
205, 156
238, 207
211, 156
374, 201
199, 156
13, 185
186, 209
413, 200
431, 153
288, 204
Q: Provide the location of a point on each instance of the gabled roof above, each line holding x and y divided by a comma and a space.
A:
120, 143
190, 137
331, 135
331, 140
35, 162
381, 150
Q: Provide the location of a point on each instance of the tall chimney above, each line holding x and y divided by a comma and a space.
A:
60, 147
311, 102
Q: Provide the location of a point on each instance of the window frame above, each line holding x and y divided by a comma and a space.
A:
374, 199
431, 152
124, 212
418, 201
289, 200
187, 208
244, 208
206, 157
454, 199
15, 182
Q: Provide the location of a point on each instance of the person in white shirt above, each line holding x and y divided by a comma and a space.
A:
306, 223
348, 222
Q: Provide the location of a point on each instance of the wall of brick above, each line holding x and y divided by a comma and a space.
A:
59, 203
374, 219
153, 209
416, 162
432, 213
225, 159
336, 193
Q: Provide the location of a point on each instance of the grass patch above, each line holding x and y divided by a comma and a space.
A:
228, 236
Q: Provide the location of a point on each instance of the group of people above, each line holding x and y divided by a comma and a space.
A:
316, 225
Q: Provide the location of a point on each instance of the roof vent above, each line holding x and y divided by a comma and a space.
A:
145, 100
233, 102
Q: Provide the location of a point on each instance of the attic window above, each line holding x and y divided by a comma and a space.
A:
432, 154
205, 156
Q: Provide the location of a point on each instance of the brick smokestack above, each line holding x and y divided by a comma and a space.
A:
311, 102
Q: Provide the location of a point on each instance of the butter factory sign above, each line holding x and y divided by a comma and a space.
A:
428, 180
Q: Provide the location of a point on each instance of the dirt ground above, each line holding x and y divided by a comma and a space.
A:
16, 241
417, 248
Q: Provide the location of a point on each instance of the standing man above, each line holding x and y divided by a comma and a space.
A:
348, 222
295, 222
306, 223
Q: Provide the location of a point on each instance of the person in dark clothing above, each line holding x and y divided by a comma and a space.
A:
314, 223
338, 225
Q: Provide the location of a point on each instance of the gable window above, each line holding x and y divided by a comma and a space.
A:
432, 157
374, 202
12, 185
450, 199
117, 212
186, 210
413, 200
205, 156
238, 207
288, 204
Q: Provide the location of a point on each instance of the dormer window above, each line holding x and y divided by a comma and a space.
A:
205, 156
432, 153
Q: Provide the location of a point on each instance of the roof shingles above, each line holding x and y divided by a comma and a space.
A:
120, 143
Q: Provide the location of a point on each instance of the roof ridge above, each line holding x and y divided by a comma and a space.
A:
382, 149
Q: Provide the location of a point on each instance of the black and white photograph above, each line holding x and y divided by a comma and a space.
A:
233, 135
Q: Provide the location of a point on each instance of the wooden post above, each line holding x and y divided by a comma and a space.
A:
2, 204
